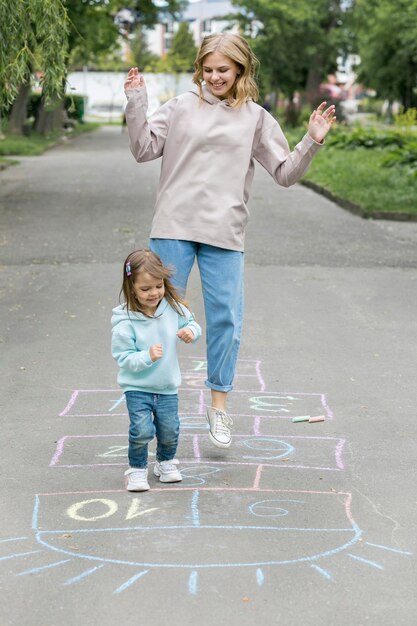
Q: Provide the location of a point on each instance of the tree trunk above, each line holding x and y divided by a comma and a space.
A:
19, 110
49, 120
314, 80
292, 111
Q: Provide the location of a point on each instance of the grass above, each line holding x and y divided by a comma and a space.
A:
358, 175
6, 162
36, 144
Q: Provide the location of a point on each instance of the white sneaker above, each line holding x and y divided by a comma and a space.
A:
167, 471
136, 479
220, 427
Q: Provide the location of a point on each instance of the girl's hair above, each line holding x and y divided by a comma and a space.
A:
237, 49
147, 261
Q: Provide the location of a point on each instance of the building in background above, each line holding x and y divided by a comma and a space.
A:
204, 18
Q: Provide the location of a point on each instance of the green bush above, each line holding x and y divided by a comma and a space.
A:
370, 105
406, 118
74, 105
365, 138
404, 157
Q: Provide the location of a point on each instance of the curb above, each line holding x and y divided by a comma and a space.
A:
356, 209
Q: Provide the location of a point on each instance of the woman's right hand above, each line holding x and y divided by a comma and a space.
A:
134, 79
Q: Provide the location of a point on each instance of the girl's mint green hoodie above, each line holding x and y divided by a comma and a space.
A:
132, 336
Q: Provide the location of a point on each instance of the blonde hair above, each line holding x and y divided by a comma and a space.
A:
238, 50
147, 261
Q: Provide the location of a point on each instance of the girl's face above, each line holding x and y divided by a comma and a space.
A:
220, 74
149, 291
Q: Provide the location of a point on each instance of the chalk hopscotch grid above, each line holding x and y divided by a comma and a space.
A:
198, 458
197, 492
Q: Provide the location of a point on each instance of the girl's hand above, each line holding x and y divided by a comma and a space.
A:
156, 351
134, 79
186, 335
321, 122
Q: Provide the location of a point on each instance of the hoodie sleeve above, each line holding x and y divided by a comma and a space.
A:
147, 138
126, 354
271, 150
187, 321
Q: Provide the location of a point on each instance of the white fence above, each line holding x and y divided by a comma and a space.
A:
105, 98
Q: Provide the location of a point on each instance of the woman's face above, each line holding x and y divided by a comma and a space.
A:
220, 74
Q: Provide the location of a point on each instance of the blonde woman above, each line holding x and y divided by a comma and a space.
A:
208, 139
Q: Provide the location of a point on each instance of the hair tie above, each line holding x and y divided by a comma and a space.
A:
128, 269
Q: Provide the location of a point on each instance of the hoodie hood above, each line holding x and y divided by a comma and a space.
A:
121, 314
208, 96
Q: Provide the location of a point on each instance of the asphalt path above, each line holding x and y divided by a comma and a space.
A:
298, 523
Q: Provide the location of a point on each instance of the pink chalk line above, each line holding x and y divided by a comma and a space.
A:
196, 447
259, 375
171, 488
257, 480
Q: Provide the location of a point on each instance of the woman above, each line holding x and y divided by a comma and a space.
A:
208, 139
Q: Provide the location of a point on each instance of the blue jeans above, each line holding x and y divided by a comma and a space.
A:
152, 414
221, 273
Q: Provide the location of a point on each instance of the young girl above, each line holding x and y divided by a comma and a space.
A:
208, 139
144, 336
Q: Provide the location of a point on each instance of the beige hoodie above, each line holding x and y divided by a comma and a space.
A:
208, 150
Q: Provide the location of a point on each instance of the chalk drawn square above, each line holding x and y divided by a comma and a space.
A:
90, 451
278, 451
196, 528
279, 404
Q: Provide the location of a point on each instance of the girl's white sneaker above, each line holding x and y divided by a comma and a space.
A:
167, 471
136, 479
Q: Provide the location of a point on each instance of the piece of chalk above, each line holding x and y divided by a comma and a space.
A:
301, 418
318, 418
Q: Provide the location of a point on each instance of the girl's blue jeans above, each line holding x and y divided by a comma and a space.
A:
152, 414
221, 273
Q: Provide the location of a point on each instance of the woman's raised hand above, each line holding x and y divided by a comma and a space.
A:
321, 121
134, 79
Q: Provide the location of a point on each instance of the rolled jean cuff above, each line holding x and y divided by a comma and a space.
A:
224, 388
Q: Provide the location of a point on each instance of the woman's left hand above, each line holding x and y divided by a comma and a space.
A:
321, 121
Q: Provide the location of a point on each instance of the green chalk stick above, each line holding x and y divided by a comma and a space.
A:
301, 418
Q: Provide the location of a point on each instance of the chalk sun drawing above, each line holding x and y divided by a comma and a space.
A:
202, 524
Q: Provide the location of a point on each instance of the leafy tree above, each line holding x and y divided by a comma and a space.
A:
94, 33
387, 46
37, 35
141, 56
297, 42
181, 56
34, 35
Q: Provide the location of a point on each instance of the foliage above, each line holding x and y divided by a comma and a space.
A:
181, 56
141, 56
359, 176
359, 137
50, 35
93, 32
36, 144
34, 35
146, 12
404, 157
406, 118
387, 44
398, 148
297, 42
371, 105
